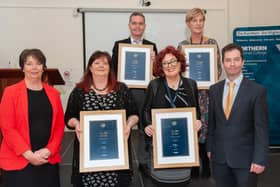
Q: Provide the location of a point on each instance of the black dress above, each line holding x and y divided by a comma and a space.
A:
40, 119
79, 100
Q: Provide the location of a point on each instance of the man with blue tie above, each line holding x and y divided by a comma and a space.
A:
237, 141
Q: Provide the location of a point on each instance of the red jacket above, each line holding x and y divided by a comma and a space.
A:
15, 126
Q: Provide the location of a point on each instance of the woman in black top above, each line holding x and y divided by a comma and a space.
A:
99, 90
169, 90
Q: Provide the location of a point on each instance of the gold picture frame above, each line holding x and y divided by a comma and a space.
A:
103, 145
135, 67
175, 143
202, 60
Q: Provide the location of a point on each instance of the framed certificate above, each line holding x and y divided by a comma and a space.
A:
103, 145
135, 66
202, 60
175, 140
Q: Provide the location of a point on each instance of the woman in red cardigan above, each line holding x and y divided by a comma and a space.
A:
32, 124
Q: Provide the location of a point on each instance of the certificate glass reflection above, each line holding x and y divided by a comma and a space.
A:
103, 140
199, 66
174, 137
135, 65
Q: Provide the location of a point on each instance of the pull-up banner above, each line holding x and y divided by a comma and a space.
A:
261, 46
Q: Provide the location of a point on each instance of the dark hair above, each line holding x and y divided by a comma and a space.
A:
136, 14
87, 80
157, 66
35, 53
231, 47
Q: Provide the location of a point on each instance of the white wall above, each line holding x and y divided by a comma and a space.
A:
56, 28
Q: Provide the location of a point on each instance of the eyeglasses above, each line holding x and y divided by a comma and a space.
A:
172, 62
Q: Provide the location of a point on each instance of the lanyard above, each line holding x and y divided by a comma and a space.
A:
172, 100
201, 40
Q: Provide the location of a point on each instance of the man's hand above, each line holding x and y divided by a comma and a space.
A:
209, 155
258, 169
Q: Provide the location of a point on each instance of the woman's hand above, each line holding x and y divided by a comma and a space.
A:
198, 125
149, 130
43, 153
153, 56
75, 123
130, 123
78, 130
127, 132
34, 159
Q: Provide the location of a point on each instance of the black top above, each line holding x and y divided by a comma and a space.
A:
79, 100
40, 118
157, 97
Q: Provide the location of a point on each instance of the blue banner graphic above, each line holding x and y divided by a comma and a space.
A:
261, 47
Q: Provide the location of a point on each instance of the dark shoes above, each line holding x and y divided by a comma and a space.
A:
206, 173
195, 173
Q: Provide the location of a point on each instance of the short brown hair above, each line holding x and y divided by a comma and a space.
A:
136, 14
35, 53
195, 12
230, 47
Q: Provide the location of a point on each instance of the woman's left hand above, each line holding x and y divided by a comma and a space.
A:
198, 125
127, 132
130, 123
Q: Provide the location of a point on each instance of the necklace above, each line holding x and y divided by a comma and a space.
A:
100, 89
201, 40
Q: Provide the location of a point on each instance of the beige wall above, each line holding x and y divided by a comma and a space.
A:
56, 28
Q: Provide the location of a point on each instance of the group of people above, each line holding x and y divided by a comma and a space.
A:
231, 120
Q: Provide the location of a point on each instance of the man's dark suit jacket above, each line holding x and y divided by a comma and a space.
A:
243, 138
126, 41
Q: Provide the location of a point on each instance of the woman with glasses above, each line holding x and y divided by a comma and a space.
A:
169, 90
195, 21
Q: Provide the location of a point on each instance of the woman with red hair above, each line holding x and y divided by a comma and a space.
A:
169, 90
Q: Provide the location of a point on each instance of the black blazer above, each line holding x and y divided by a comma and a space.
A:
243, 138
116, 51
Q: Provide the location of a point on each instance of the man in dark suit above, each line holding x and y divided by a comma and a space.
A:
237, 140
137, 27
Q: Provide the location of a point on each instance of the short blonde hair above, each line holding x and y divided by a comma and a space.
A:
195, 12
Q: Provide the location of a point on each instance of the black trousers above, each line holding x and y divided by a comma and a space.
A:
226, 176
46, 175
